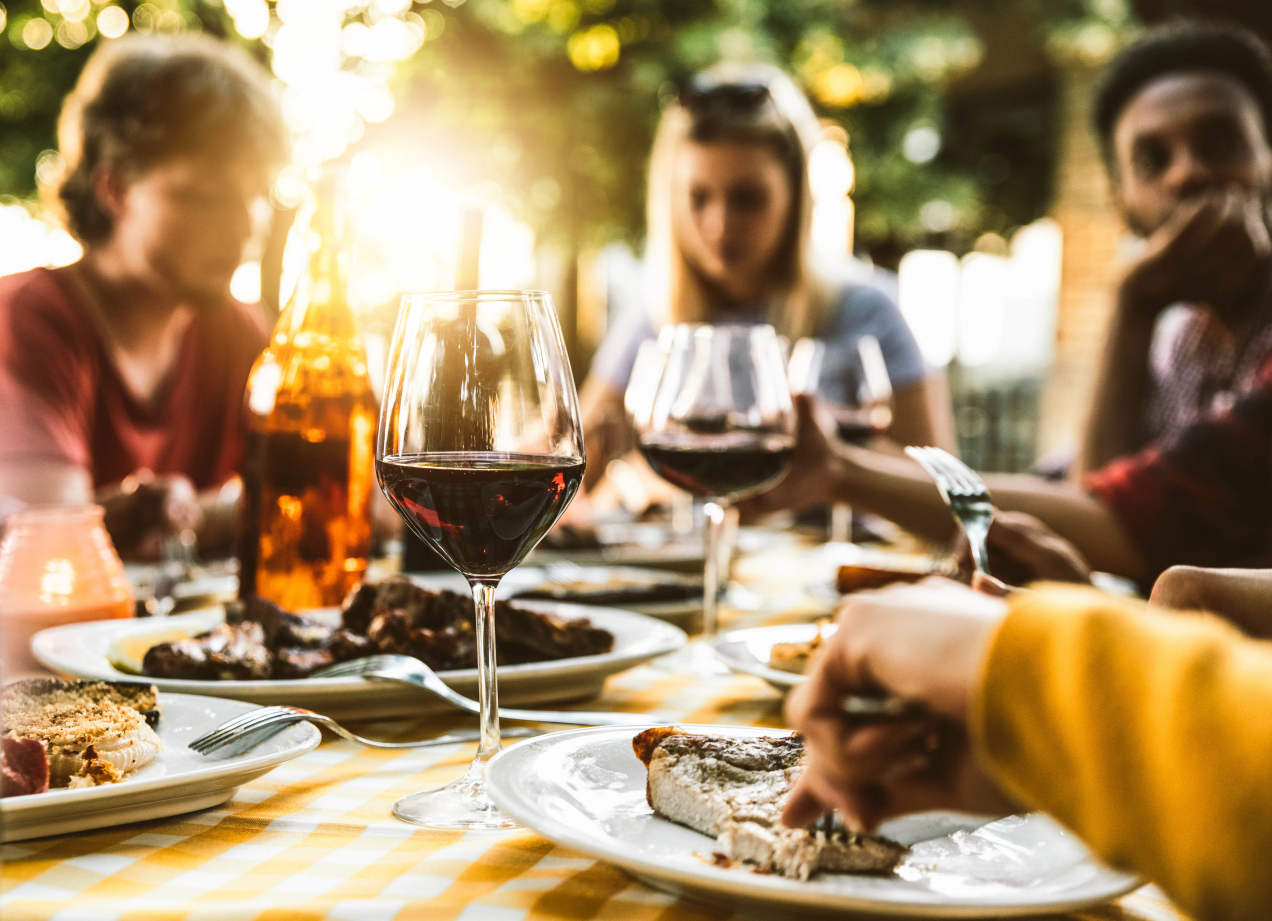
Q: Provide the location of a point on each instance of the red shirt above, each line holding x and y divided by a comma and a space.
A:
1203, 497
63, 399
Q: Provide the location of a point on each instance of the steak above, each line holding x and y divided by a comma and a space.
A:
733, 789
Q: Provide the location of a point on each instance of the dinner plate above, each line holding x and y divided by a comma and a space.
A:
585, 789
685, 613
747, 651
176, 781
81, 650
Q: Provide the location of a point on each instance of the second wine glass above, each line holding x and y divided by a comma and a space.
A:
720, 425
480, 450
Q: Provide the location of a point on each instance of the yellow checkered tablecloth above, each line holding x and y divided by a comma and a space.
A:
314, 839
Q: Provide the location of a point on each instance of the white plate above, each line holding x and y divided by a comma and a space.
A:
585, 789
685, 613
80, 650
747, 651
177, 781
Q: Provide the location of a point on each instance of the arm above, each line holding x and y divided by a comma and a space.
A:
1096, 712
606, 432
1243, 597
1064, 700
1115, 426
49, 482
921, 414
897, 488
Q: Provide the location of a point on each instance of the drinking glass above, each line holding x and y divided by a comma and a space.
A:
480, 450
861, 415
720, 426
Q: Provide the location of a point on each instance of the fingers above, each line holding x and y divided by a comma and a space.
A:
988, 585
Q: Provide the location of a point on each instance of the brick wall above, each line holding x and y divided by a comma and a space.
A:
1092, 233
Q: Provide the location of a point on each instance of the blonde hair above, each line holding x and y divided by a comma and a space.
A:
786, 124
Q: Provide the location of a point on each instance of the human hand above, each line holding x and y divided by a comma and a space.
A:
1241, 596
809, 481
924, 643
1022, 550
145, 508
1207, 252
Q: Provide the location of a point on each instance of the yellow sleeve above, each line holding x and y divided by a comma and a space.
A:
1148, 734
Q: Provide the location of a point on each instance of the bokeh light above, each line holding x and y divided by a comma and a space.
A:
112, 22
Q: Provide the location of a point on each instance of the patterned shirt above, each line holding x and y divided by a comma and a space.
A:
1203, 497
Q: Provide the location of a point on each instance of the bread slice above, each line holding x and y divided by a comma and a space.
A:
733, 789
92, 732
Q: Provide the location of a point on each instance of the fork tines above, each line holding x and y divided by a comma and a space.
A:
242, 726
951, 474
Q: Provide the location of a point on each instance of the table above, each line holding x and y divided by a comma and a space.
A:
314, 839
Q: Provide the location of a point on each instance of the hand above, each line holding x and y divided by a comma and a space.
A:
1022, 550
1207, 252
924, 643
1242, 596
809, 481
145, 508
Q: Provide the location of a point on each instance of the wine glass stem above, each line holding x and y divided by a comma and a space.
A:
487, 688
711, 570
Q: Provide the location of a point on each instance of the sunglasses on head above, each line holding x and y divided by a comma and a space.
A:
703, 91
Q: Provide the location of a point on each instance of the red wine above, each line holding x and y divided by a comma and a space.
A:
861, 426
722, 466
482, 511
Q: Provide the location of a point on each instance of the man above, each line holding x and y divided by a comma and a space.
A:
122, 376
1184, 116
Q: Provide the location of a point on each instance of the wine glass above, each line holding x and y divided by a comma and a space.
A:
720, 426
480, 450
861, 413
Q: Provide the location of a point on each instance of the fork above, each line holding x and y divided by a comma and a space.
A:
965, 494
409, 670
256, 722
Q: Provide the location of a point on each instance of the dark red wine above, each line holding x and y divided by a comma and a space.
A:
724, 466
482, 511
861, 426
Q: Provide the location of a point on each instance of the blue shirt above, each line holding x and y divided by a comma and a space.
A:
858, 310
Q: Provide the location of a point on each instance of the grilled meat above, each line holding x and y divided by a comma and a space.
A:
733, 788
228, 652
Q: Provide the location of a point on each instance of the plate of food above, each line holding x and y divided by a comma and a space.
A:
673, 597
642, 544
779, 654
693, 811
88, 754
258, 652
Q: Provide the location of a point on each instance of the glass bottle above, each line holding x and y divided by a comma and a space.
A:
310, 463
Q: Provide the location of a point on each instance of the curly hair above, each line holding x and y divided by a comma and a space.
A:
1177, 46
142, 100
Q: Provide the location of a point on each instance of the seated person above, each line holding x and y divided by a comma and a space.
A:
1132, 727
122, 375
1184, 118
729, 241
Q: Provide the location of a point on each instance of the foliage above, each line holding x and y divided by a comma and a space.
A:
555, 101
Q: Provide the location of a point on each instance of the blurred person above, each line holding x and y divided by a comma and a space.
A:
729, 222
1184, 116
122, 375
1131, 726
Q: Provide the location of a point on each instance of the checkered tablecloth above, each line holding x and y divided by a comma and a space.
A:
314, 839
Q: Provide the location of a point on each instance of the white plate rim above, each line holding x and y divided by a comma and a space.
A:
749, 665
659, 638
747, 886
13, 807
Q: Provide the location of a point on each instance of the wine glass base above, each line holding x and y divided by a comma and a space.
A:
460, 804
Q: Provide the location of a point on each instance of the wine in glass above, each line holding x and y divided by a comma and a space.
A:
864, 416
720, 426
480, 450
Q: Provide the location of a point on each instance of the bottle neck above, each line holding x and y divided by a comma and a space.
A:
320, 303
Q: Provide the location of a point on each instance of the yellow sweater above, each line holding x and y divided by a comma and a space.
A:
1149, 735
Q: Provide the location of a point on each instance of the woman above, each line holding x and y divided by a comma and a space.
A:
729, 241
1144, 731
